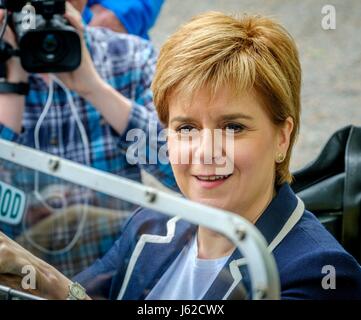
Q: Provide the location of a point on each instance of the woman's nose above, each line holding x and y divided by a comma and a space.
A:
209, 147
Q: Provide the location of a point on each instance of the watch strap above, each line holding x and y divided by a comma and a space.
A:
21, 88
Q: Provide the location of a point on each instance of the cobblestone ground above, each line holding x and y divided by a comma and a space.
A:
331, 59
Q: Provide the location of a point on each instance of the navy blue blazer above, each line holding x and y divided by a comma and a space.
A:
302, 247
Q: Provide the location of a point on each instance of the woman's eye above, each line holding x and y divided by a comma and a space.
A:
234, 127
185, 129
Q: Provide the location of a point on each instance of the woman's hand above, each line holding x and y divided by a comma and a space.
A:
15, 282
49, 282
85, 79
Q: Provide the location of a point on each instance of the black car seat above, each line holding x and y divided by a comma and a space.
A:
330, 187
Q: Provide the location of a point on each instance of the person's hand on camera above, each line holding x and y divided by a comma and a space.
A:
87, 83
15, 72
85, 79
103, 17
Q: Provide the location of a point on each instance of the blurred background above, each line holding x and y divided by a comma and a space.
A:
331, 59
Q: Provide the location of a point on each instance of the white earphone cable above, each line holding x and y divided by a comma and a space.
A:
37, 194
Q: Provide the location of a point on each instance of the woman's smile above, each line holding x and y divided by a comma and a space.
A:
211, 181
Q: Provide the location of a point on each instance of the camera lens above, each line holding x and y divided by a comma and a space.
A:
51, 47
50, 43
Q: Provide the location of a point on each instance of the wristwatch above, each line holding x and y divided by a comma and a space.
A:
76, 292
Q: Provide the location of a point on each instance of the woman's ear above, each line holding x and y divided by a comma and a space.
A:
284, 136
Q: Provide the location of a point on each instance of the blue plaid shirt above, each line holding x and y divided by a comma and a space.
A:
127, 63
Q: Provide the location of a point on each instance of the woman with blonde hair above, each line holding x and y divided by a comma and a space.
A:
239, 77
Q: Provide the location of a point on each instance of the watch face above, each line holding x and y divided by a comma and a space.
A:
78, 291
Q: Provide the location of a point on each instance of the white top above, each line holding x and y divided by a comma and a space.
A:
188, 278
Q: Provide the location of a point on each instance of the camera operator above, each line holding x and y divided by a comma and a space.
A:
131, 16
111, 92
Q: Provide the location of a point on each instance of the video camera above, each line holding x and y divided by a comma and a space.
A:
47, 42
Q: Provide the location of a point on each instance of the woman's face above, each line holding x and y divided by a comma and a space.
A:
245, 174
